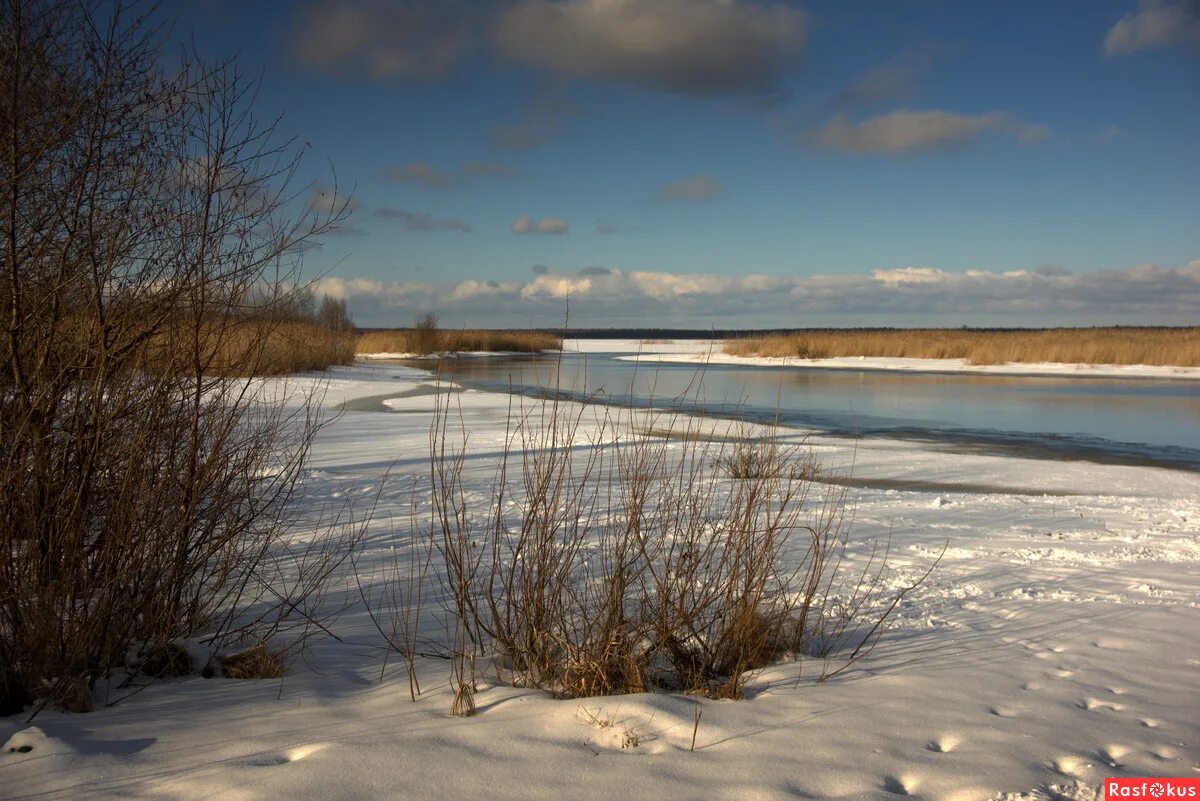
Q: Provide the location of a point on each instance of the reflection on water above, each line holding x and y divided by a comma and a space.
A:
1151, 421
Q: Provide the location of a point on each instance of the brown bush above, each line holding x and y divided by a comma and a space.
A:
624, 564
146, 481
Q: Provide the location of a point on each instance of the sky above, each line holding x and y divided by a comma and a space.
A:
739, 163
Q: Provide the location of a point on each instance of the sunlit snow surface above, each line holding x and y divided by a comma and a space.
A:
1056, 644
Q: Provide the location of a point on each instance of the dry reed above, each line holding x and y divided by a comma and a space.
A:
1153, 346
452, 341
257, 662
245, 346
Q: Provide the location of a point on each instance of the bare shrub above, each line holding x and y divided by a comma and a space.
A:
607, 561
165, 661
146, 476
424, 339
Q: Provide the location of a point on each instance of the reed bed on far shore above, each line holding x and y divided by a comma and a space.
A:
250, 346
1149, 346
425, 341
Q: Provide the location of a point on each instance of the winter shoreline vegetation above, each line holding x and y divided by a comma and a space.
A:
607, 558
152, 277
1108, 346
425, 341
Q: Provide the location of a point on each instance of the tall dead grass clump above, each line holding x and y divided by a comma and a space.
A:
456, 341
249, 345
1119, 345
604, 561
147, 479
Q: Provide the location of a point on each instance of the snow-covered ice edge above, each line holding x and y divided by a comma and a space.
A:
710, 352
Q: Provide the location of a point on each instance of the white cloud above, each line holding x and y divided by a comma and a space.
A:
687, 46
1156, 23
891, 82
916, 131
695, 187
421, 221
1148, 294
416, 40
546, 225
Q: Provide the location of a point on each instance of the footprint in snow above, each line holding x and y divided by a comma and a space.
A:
1112, 754
285, 757
900, 785
1165, 753
1071, 765
1093, 704
944, 744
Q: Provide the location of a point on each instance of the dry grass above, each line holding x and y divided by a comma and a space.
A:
1157, 346
258, 662
451, 341
252, 346
166, 661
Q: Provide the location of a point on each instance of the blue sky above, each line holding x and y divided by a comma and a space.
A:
735, 163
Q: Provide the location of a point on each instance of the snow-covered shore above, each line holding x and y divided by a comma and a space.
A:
710, 352
1054, 645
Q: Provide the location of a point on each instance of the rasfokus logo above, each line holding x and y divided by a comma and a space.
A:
1151, 788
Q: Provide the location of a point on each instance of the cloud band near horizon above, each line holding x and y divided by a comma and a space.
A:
910, 296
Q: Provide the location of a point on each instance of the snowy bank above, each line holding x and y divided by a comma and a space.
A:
1054, 645
710, 352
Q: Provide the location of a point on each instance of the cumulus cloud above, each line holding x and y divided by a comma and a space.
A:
892, 82
539, 269
914, 295
909, 131
695, 187
414, 40
1155, 23
421, 222
699, 47
546, 225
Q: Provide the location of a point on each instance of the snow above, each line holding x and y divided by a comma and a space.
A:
1054, 645
710, 352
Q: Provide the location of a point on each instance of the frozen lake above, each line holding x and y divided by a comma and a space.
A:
1114, 420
